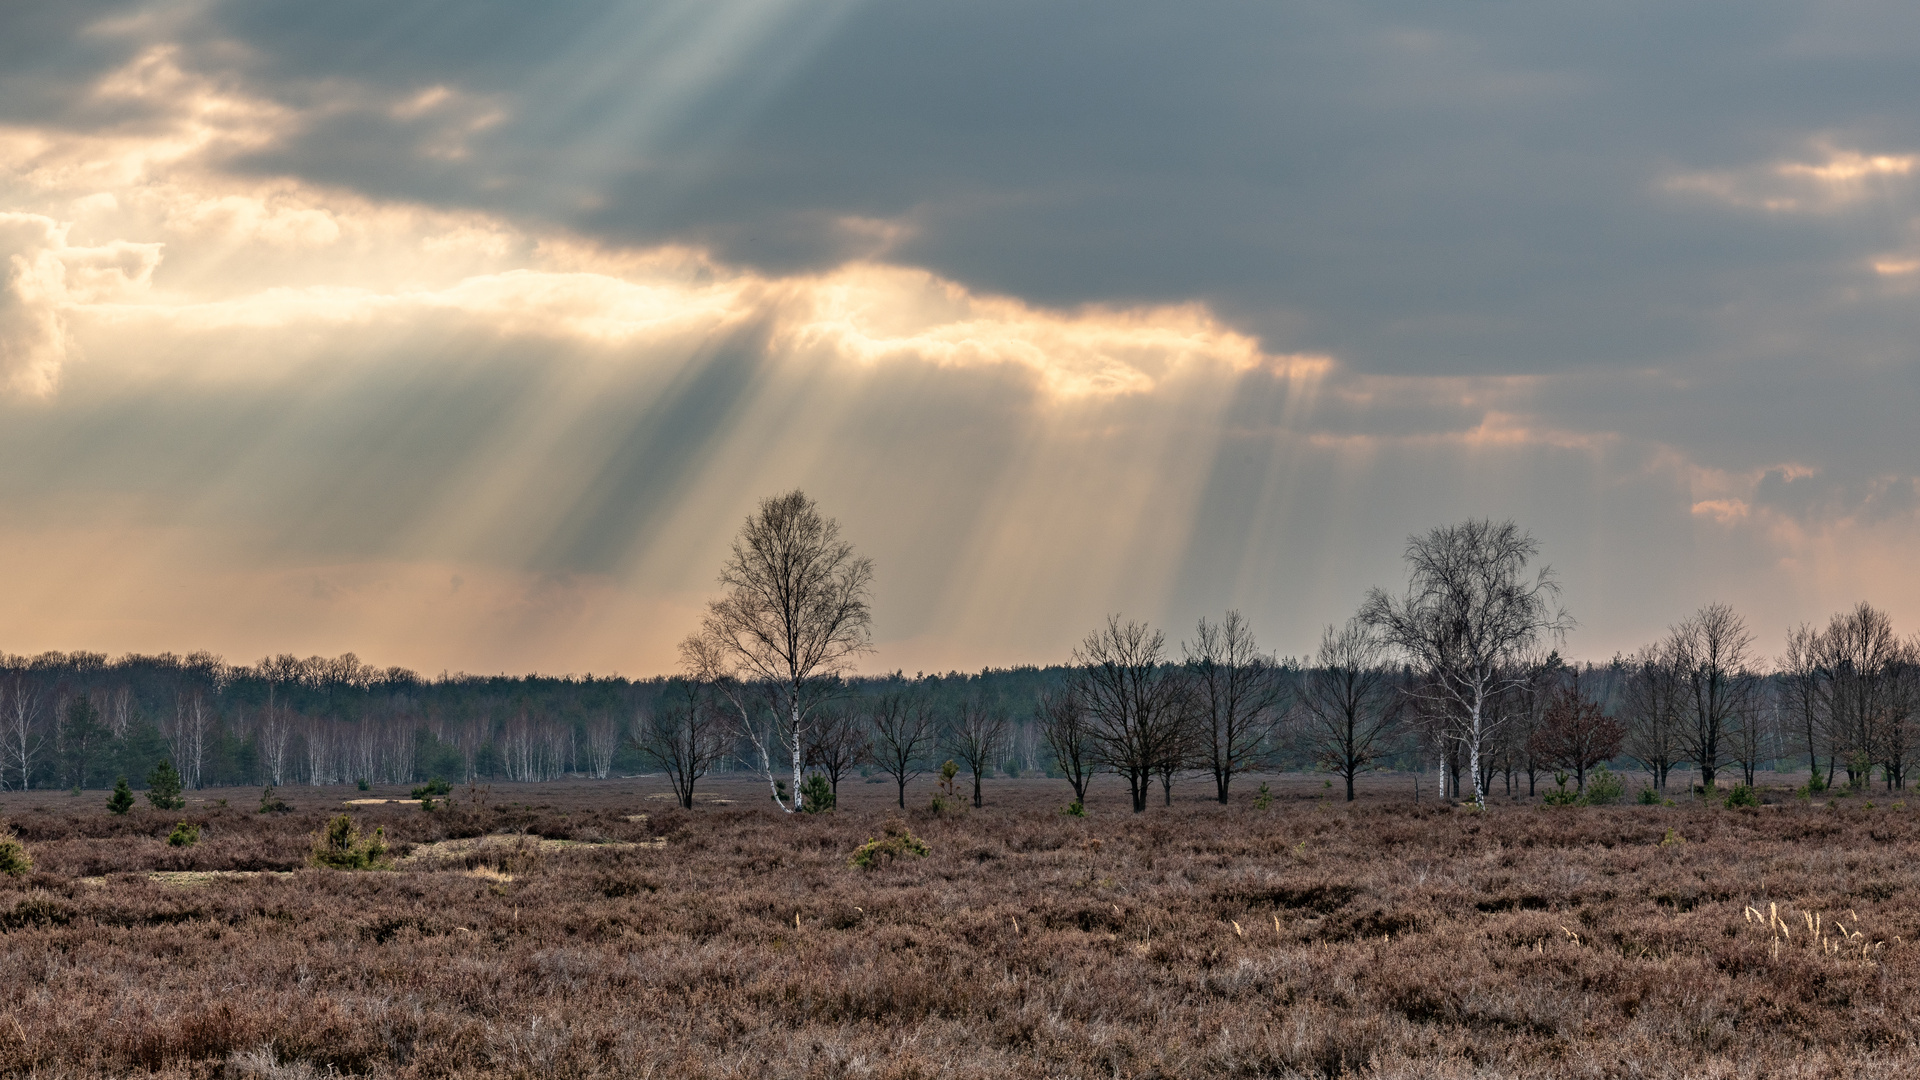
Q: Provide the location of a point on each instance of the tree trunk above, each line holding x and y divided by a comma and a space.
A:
795, 730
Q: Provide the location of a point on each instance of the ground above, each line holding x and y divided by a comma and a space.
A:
592, 928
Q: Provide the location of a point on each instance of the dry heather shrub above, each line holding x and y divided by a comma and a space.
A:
899, 843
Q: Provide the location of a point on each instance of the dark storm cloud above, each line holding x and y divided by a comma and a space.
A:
1414, 188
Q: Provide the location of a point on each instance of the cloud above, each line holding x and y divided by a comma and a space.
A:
44, 280
308, 314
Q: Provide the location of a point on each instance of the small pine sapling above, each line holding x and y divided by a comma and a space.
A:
184, 834
121, 800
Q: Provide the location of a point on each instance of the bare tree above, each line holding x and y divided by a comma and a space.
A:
1802, 693
1236, 696
1653, 699
1469, 613
603, 741
902, 729
792, 620
192, 736
836, 743
1136, 703
1859, 657
1349, 706
1709, 650
685, 734
21, 703
275, 733
976, 736
1063, 723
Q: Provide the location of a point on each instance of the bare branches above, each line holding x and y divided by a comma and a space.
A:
1136, 704
1469, 613
976, 736
792, 620
1710, 652
685, 735
903, 731
1349, 706
1063, 724
1236, 696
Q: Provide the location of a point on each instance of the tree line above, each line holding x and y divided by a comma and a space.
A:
1460, 674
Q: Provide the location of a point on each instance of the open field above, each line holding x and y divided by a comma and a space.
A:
1310, 938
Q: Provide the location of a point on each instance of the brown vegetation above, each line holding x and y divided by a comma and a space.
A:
1315, 938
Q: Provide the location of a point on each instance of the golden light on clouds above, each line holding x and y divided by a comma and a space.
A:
258, 413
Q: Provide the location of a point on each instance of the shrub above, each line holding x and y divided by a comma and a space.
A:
272, 803
184, 835
1604, 787
432, 789
1648, 797
816, 794
898, 844
1075, 809
1742, 795
946, 798
363, 784
1265, 798
121, 800
163, 787
341, 847
1561, 795
14, 860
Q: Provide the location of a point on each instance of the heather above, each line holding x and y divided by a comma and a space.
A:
584, 929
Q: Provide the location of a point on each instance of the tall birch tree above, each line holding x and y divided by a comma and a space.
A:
793, 617
1469, 614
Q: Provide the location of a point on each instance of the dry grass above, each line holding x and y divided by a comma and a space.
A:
1311, 939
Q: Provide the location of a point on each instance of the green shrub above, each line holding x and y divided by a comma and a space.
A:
1648, 797
184, 835
1265, 797
163, 787
1561, 795
14, 860
1742, 795
433, 788
946, 798
897, 844
341, 847
363, 785
1604, 787
816, 794
121, 800
1075, 809
272, 803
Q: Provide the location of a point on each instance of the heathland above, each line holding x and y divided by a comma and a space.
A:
594, 928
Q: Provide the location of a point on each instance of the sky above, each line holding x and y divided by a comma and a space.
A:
464, 336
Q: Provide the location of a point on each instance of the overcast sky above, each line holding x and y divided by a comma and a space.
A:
463, 335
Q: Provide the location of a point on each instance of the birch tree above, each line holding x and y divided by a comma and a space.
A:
1469, 613
21, 703
793, 618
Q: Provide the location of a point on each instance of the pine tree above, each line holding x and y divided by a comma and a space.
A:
163, 787
121, 800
